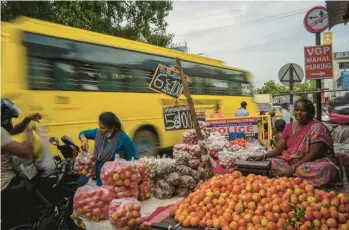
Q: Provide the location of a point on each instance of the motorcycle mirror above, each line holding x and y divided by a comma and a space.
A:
53, 141
57, 158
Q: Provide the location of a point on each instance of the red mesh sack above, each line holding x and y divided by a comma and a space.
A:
120, 173
125, 213
85, 164
92, 202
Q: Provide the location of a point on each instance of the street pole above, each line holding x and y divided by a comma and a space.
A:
291, 89
318, 83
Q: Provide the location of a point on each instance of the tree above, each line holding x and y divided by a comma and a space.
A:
127, 19
273, 88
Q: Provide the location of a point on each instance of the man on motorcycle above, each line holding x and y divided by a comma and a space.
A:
18, 194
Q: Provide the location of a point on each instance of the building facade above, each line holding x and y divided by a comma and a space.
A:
340, 72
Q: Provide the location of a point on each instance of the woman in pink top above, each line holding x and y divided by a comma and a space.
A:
305, 149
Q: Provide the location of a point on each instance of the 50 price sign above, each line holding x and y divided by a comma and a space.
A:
177, 118
166, 80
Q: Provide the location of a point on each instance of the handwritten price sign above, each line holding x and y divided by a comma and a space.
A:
166, 80
177, 117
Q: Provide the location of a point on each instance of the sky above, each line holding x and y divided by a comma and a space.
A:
259, 36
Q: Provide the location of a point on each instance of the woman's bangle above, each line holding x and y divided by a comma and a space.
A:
293, 168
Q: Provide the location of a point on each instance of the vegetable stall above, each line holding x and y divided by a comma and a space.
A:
183, 190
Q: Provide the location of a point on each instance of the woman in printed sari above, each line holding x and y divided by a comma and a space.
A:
110, 140
305, 149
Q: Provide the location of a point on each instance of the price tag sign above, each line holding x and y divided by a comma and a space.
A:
167, 80
177, 118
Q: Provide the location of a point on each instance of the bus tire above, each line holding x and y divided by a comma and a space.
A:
146, 143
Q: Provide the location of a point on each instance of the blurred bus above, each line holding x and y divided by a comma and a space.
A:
72, 75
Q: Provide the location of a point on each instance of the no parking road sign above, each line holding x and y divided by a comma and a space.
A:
318, 62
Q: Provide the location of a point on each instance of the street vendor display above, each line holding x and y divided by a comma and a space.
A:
232, 201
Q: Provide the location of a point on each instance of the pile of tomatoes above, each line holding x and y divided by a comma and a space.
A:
232, 201
240, 141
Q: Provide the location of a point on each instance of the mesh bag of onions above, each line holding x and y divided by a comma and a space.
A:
120, 173
85, 164
125, 213
92, 202
216, 143
190, 136
227, 159
193, 150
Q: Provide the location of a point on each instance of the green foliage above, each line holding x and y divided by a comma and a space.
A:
127, 19
271, 87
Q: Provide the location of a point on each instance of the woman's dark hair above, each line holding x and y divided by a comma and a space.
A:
262, 113
217, 107
110, 120
243, 104
280, 125
309, 105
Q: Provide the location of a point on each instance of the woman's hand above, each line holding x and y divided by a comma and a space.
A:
256, 158
286, 172
84, 143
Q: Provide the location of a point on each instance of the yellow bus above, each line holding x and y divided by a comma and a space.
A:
71, 75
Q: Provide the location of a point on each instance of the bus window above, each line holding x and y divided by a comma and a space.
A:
65, 76
41, 74
88, 78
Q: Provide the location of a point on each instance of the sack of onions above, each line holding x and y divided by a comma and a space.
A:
85, 164
92, 202
120, 173
194, 151
189, 137
227, 159
216, 143
125, 213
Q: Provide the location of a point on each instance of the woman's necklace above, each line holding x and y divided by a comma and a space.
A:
296, 126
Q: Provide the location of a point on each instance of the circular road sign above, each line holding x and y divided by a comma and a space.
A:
285, 74
316, 20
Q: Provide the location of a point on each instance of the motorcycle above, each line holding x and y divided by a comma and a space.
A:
340, 115
58, 186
